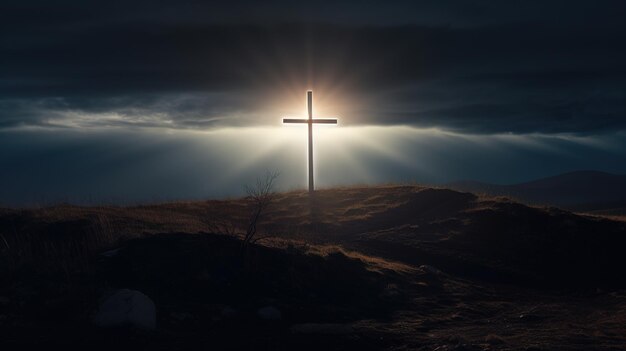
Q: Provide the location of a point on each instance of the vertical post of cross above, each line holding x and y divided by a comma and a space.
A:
310, 121
310, 108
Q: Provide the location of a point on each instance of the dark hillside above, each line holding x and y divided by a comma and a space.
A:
390, 267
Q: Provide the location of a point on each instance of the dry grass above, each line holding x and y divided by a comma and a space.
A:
619, 218
67, 234
426, 248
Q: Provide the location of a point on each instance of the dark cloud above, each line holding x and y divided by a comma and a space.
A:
487, 67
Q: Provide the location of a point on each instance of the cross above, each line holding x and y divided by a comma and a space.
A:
310, 121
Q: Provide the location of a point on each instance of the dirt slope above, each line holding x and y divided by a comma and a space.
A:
390, 267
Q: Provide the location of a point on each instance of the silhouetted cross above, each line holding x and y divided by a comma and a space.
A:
310, 121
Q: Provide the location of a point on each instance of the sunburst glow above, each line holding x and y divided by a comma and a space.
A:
148, 164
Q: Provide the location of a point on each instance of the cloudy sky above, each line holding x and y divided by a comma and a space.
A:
132, 101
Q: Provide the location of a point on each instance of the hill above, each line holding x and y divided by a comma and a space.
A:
580, 191
390, 267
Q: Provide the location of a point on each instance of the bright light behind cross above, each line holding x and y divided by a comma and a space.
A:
310, 121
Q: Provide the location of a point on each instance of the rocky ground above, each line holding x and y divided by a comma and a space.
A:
393, 268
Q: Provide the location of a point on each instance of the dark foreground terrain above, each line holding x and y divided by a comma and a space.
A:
393, 268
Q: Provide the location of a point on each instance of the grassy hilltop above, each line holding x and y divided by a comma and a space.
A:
388, 267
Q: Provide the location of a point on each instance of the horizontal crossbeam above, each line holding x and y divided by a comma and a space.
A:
314, 120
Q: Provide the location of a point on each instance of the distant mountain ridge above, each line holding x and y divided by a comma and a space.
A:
579, 190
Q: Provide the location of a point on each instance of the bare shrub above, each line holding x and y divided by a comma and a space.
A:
260, 196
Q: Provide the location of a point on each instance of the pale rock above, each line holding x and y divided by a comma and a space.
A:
127, 308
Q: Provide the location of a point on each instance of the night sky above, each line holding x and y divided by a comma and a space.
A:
146, 101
